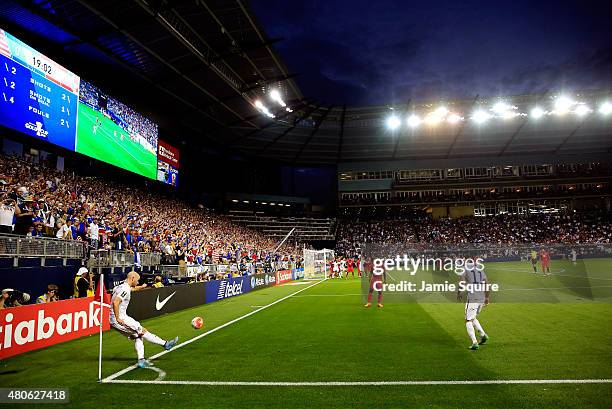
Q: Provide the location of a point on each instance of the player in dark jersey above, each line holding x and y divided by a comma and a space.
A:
376, 282
534, 261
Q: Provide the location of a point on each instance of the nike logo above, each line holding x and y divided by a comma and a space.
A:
160, 304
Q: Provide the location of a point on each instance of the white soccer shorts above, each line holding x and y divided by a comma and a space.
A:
472, 309
131, 328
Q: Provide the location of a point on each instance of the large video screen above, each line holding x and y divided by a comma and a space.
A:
167, 163
45, 100
39, 96
114, 133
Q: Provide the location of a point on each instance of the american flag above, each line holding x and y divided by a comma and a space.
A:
216, 254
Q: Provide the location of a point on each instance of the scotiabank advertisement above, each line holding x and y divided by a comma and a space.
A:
32, 327
283, 276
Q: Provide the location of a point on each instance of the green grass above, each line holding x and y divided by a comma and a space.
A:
106, 145
325, 334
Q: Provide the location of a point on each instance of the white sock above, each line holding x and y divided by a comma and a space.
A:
154, 339
470, 331
139, 348
478, 327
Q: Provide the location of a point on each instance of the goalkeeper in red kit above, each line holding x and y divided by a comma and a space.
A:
377, 278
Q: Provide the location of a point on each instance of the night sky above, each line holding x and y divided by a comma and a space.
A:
386, 52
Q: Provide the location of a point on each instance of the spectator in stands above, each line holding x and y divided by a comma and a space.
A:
49, 296
7, 215
38, 230
65, 230
24, 215
94, 234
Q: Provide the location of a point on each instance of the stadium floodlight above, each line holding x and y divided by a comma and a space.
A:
537, 113
288, 109
441, 111
500, 108
245, 201
453, 118
414, 121
235, 200
605, 108
276, 96
480, 116
263, 109
582, 110
563, 104
393, 122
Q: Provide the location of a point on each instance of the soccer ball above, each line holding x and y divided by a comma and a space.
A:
197, 322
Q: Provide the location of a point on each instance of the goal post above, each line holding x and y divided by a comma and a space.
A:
316, 263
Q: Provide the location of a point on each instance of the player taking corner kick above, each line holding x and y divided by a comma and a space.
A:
127, 325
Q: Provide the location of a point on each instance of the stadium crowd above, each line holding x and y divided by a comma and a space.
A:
41, 202
503, 229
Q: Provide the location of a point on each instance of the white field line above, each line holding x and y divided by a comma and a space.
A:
434, 292
189, 341
371, 383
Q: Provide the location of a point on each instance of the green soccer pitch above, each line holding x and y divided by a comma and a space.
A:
108, 147
276, 338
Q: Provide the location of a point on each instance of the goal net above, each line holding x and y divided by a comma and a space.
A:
316, 263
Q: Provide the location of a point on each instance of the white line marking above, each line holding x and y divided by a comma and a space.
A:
189, 341
327, 295
555, 288
370, 383
160, 374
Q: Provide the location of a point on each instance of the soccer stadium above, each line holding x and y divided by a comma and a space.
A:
232, 203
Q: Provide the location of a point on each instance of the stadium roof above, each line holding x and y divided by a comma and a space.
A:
207, 63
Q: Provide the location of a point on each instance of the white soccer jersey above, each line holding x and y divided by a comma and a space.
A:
124, 292
475, 277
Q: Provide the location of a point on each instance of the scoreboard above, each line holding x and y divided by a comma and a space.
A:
39, 96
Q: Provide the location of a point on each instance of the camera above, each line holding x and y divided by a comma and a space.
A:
16, 296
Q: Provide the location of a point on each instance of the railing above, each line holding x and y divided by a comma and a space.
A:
116, 258
18, 246
177, 271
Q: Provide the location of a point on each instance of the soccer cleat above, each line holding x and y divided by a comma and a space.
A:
170, 343
143, 363
368, 305
380, 305
483, 339
475, 347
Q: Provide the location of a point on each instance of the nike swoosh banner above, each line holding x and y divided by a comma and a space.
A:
143, 303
